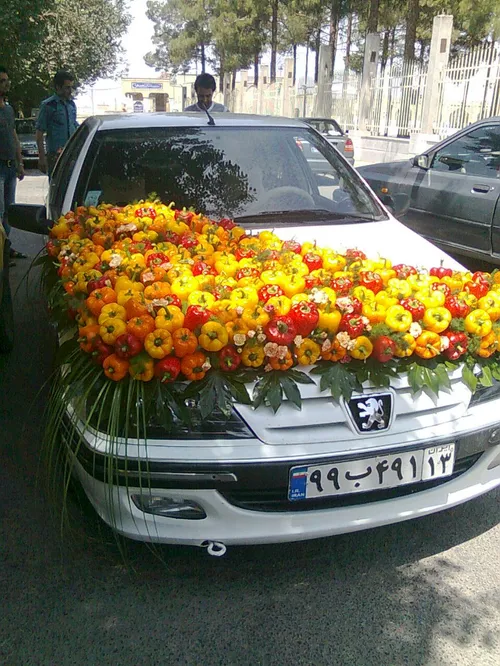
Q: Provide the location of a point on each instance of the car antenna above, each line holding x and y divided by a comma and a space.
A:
211, 121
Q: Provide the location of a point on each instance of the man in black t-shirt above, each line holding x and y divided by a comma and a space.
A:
11, 163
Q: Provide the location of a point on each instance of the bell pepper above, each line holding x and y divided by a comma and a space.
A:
98, 283
469, 298
329, 320
213, 336
101, 352
142, 367
184, 342
88, 337
183, 286
229, 359
115, 368
458, 345
428, 344
354, 254
405, 346
127, 345
384, 349
201, 298
281, 330
398, 288
141, 326
294, 284
371, 280
308, 352
478, 288
415, 307
421, 281
196, 316
385, 300
111, 329
305, 316
341, 286
404, 270
281, 362
437, 319
440, 272
313, 261
170, 318
478, 322
374, 312
352, 324
253, 355
254, 316
482, 276
158, 344
488, 345
168, 369
430, 297
491, 304
362, 349
269, 291
192, 366
278, 305
243, 296
455, 281
112, 311
156, 259
441, 286
457, 307
223, 310
364, 294
398, 318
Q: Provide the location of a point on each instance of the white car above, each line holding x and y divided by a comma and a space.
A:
384, 456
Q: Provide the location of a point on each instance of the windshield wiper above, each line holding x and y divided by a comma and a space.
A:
306, 214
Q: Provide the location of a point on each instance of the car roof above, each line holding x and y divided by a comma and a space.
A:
194, 119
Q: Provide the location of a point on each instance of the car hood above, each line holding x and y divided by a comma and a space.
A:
389, 239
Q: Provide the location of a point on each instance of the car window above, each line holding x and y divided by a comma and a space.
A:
64, 168
221, 171
25, 126
474, 154
326, 127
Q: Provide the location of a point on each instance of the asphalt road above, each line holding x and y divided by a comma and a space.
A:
425, 592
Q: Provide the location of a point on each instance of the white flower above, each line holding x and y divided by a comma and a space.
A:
282, 352
415, 330
148, 276
298, 340
115, 260
239, 310
445, 343
365, 321
351, 345
326, 346
160, 302
368, 328
319, 296
251, 333
268, 367
344, 303
261, 337
239, 339
207, 365
343, 339
124, 228
166, 265
271, 349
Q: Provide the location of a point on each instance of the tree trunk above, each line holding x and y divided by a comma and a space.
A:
305, 80
221, 74
334, 30
393, 42
202, 54
385, 51
411, 29
233, 80
348, 42
256, 69
373, 17
274, 39
317, 45
294, 76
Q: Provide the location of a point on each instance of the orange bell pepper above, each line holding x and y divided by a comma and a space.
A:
428, 344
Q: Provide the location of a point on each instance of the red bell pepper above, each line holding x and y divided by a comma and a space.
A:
127, 345
196, 316
268, 291
371, 280
341, 286
281, 330
441, 272
229, 358
352, 324
383, 349
458, 345
457, 306
168, 369
305, 316
415, 307
313, 261
403, 271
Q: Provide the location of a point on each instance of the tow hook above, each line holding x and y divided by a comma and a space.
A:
215, 548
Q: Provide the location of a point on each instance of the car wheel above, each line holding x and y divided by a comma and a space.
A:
6, 312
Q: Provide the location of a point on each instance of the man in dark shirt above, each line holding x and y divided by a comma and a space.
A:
56, 119
11, 163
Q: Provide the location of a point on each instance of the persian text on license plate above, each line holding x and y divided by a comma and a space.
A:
357, 476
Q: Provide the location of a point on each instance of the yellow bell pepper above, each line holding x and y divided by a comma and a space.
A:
478, 322
203, 298
112, 329
255, 316
252, 355
112, 311
398, 319
491, 304
364, 294
308, 352
329, 321
159, 343
385, 300
469, 298
243, 296
281, 305
431, 298
170, 318
455, 282
224, 310
420, 281
298, 298
428, 344
488, 345
405, 346
437, 319
398, 288
333, 262
362, 349
185, 285
294, 284
213, 336
374, 312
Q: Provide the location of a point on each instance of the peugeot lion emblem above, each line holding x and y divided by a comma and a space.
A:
370, 412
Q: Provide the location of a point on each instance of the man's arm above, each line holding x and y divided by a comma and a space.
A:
19, 157
41, 128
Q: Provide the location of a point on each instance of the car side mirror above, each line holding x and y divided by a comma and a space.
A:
29, 217
422, 161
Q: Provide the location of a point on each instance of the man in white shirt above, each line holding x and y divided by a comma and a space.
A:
205, 87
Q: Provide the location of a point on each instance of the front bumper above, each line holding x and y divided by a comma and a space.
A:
231, 524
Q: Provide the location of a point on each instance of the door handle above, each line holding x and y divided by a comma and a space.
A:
483, 189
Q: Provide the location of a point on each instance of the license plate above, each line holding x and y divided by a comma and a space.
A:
358, 476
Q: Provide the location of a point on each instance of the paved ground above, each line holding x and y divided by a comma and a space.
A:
420, 593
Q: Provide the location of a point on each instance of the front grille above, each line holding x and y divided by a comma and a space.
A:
276, 499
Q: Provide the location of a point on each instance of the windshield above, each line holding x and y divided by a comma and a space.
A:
326, 126
224, 172
25, 126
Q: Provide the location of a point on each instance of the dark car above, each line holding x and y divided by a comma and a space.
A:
25, 129
454, 190
6, 312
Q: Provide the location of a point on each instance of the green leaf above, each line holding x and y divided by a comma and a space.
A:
238, 390
260, 390
486, 377
291, 390
469, 378
443, 376
340, 381
415, 379
65, 351
275, 394
431, 380
300, 377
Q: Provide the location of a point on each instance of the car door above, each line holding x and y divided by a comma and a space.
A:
63, 171
453, 202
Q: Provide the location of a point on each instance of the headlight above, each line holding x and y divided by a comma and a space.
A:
169, 507
485, 394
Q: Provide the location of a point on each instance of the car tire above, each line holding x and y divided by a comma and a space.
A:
6, 309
